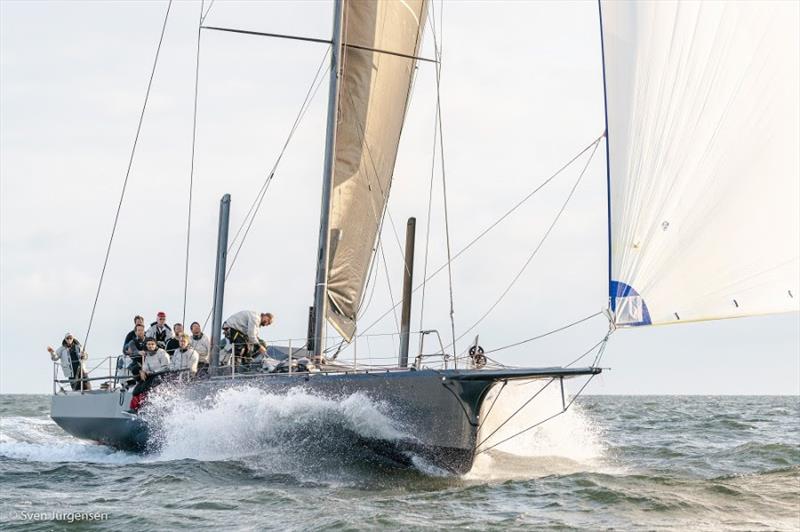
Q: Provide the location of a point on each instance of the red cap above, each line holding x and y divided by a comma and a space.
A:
162, 315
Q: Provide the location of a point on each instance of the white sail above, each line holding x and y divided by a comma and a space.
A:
703, 112
381, 39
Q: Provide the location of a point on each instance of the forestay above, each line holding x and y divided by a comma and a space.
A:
703, 112
373, 95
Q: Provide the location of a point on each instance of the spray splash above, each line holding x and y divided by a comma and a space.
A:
319, 438
247, 421
566, 444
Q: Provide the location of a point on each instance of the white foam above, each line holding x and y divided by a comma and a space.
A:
234, 423
244, 421
41, 440
565, 444
247, 421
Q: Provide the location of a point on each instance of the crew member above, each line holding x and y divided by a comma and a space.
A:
135, 349
201, 343
159, 330
241, 330
71, 357
173, 343
155, 360
185, 357
137, 320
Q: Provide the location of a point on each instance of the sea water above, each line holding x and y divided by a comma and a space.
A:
250, 460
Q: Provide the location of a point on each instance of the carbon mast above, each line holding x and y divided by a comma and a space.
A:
323, 249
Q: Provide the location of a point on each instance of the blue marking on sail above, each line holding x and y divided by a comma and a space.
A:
628, 307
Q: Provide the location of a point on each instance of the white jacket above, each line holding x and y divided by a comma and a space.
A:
155, 362
184, 360
153, 331
62, 354
247, 322
202, 346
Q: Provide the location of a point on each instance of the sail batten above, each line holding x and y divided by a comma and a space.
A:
381, 41
703, 121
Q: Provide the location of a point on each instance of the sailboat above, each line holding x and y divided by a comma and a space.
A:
702, 129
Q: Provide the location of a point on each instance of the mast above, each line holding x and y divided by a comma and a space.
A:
219, 279
408, 279
323, 249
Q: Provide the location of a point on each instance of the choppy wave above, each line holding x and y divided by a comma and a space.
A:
40, 440
612, 462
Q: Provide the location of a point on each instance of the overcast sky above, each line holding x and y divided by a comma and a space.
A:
521, 95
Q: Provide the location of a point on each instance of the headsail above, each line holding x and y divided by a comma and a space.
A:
703, 113
380, 40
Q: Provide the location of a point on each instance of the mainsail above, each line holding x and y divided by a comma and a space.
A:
380, 40
703, 115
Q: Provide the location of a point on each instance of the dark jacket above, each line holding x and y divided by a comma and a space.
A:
171, 345
133, 347
128, 337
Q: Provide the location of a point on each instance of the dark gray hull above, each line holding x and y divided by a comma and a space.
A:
439, 410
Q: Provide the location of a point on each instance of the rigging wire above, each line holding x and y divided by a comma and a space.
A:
432, 26
247, 222
391, 294
548, 333
127, 176
428, 231
428, 225
602, 349
588, 351
191, 170
602, 346
540, 422
517, 411
535, 250
438, 45
494, 224
203, 17
255, 205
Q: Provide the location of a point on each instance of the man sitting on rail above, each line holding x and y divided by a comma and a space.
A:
156, 359
156, 362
